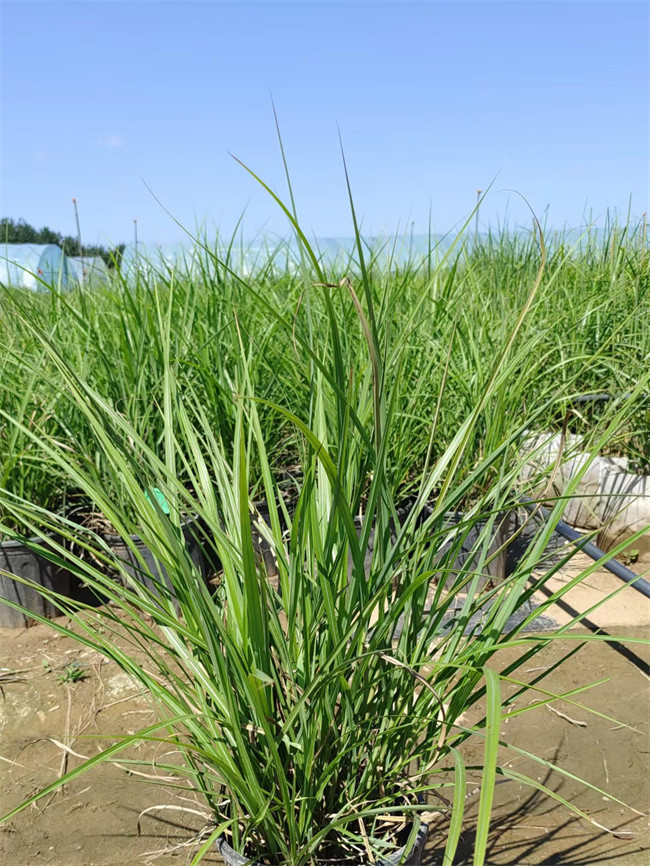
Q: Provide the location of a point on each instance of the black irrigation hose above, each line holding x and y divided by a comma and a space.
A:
588, 547
597, 398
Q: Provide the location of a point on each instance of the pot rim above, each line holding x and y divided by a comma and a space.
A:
234, 857
14, 542
113, 539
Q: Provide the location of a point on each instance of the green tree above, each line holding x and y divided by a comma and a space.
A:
21, 232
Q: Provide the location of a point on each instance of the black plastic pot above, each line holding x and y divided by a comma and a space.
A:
524, 528
494, 570
413, 858
465, 558
491, 571
148, 571
18, 559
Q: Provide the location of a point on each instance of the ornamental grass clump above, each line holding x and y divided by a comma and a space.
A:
24, 470
320, 717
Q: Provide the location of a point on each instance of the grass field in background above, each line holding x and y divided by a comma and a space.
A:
443, 318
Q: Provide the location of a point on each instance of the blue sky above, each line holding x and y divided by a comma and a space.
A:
433, 100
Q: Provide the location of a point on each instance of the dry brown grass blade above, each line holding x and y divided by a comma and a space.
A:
159, 808
564, 716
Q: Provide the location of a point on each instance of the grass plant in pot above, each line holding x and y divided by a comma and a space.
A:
127, 379
27, 475
320, 722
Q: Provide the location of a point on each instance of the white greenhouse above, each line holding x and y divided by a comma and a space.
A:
88, 270
33, 266
164, 260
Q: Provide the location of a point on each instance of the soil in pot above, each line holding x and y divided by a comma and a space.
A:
16, 558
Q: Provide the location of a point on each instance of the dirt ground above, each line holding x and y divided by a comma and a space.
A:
94, 821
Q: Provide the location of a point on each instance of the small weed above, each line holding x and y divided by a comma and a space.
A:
73, 673
630, 556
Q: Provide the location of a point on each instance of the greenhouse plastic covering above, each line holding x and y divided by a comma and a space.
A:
30, 266
88, 270
150, 259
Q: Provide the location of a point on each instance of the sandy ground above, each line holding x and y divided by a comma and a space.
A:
609, 753
617, 605
94, 821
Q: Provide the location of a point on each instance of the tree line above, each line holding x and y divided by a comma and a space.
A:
21, 232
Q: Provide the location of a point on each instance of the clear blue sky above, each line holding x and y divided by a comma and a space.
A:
433, 99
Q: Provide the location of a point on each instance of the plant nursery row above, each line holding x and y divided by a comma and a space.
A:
296, 487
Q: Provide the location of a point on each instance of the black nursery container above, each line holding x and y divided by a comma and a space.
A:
17, 559
524, 528
495, 569
467, 556
152, 572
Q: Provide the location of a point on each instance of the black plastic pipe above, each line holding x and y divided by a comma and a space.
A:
588, 547
596, 398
